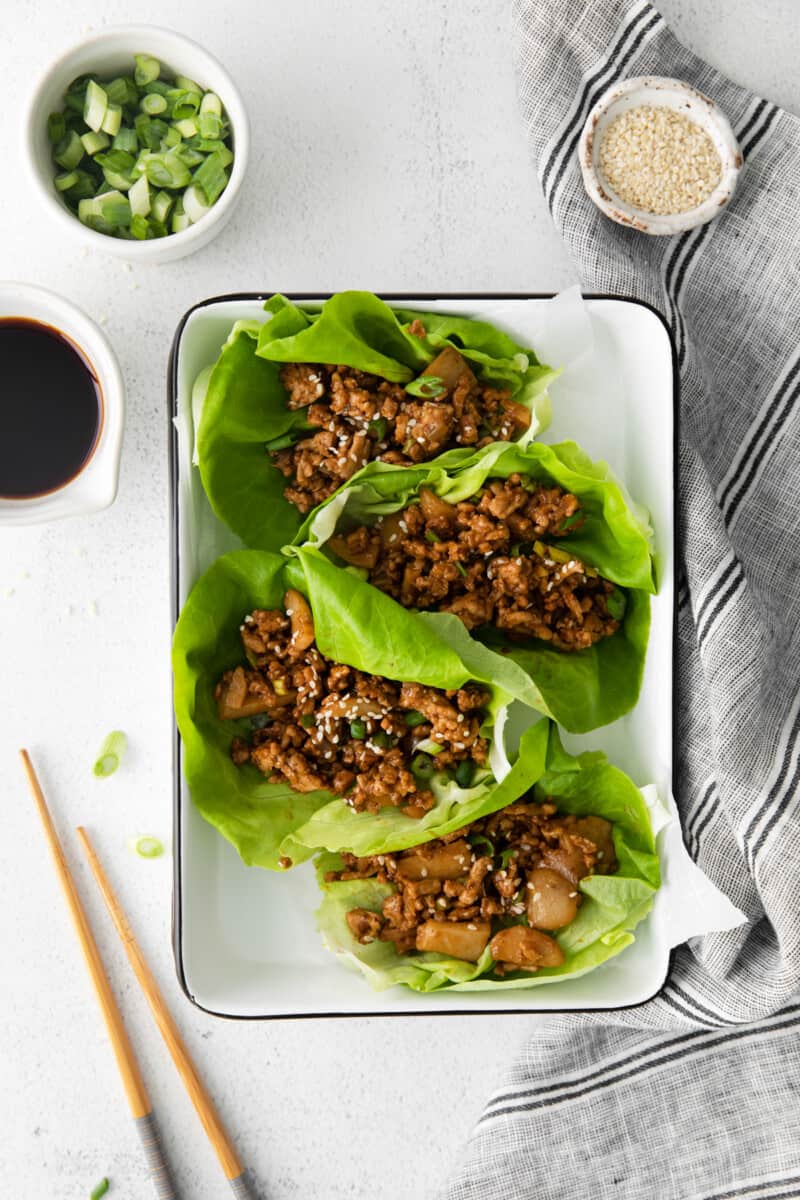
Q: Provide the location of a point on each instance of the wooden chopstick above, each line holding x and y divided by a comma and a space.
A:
199, 1096
132, 1080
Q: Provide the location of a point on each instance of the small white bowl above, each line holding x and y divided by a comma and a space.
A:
95, 485
658, 91
105, 55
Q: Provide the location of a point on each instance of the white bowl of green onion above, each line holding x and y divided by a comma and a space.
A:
138, 140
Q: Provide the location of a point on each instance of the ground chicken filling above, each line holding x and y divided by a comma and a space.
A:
358, 417
320, 724
484, 560
502, 881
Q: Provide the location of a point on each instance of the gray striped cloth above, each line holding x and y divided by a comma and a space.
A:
697, 1093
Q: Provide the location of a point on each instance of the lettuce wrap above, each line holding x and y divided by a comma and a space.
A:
581, 689
612, 905
245, 404
267, 820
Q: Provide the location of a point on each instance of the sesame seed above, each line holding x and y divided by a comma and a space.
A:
537, 896
572, 895
472, 927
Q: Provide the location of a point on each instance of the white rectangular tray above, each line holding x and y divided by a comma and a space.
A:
245, 939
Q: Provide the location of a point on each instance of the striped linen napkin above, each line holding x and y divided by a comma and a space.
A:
697, 1093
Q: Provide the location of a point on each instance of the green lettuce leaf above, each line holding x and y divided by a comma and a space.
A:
245, 403
581, 690
258, 816
613, 905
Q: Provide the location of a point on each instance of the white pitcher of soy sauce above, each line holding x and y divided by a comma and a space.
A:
62, 409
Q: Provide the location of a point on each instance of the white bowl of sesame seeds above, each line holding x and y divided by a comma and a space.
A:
659, 156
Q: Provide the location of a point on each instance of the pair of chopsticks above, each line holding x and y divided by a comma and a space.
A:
132, 1080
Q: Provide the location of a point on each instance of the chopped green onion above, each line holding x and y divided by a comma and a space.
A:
464, 773
112, 119
69, 151
180, 221
188, 154
515, 550
149, 137
382, 739
126, 140
462, 570
99, 1190
209, 124
432, 537
157, 87
171, 139
186, 128
84, 187
423, 766
110, 755
166, 170
93, 143
193, 203
147, 69
139, 197
94, 106
122, 91
307, 720
507, 855
153, 104
429, 387
211, 178
147, 847
140, 227
161, 205
414, 718
570, 522
56, 127
66, 180
358, 730
378, 428
211, 103
478, 840
185, 102
279, 443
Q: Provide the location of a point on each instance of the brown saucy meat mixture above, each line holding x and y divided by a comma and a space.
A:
483, 559
359, 417
502, 881
320, 724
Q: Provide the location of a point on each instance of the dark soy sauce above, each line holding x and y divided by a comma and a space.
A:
50, 408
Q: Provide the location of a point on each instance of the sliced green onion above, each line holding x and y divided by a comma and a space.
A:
187, 85
66, 180
185, 102
111, 754
358, 730
279, 443
140, 227
382, 739
147, 69
378, 428
153, 104
69, 151
211, 178
423, 766
464, 773
432, 537
478, 840
122, 91
427, 386
116, 212
462, 570
209, 124
125, 140
161, 205
171, 139
507, 855
570, 522
193, 203
180, 221
187, 154
211, 103
94, 106
83, 187
147, 847
515, 550
186, 128
56, 127
157, 87
139, 197
166, 170
414, 718
149, 137
112, 120
93, 143
99, 1190
307, 720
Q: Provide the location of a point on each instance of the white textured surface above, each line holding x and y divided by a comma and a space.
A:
387, 154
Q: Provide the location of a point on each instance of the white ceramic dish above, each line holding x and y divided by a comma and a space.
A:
245, 939
658, 91
107, 54
95, 485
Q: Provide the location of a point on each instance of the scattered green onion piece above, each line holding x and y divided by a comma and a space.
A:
161, 205
570, 522
110, 755
515, 550
69, 151
166, 170
171, 140
382, 739
112, 120
378, 428
464, 773
56, 127
147, 70
139, 198
428, 387
307, 720
149, 137
462, 570
153, 104
84, 186
93, 143
433, 748
180, 221
279, 443
157, 87
122, 91
126, 140
478, 840
211, 103
432, 537
184, 103
116, 213
187, 154
147, 847
66, 180
186, 128
507, 855
94, 106
358, 730
194, 204
210, 177
209, 124
414, 718
422, 765
99, 1190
